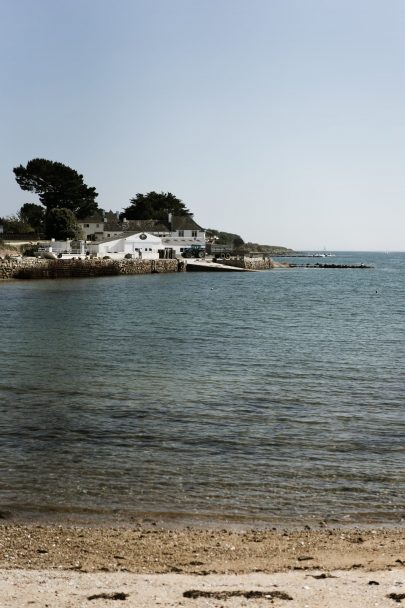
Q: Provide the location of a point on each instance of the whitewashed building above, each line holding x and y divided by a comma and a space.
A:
92, 227
178, 232
65, 250
139, 245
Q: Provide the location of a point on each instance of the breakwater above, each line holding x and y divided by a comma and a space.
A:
250, 263
36, 268
317, 265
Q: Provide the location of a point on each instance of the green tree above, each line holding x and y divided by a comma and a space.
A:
154, 206
57, 185
226, 238
61, 224
34, 215
15, 225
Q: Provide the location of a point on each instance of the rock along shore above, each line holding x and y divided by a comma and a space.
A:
36, 268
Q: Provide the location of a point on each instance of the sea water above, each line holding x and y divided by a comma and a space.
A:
273, 396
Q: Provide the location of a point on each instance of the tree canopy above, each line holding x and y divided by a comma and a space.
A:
15, 224
61, 224
226, 238
154, 206
57, 185
34, 215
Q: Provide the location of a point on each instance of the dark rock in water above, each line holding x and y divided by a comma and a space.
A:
341, 266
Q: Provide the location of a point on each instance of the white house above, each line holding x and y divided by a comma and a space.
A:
65, 250
92, 227
139, 245
178, 232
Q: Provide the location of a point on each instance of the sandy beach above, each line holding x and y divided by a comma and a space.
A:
69, 566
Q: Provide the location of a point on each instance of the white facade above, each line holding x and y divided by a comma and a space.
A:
180, 243
63, 250
92, 227
140, 246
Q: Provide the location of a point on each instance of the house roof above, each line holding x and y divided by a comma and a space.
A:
184, 222
113, 226
179, 222
91, 219
148, 225
111, 216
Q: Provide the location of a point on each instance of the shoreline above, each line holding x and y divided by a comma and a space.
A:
197, 550
69, 566
116, 518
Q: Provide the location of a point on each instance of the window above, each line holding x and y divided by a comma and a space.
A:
194, 233
181, 232
181, 249
86, 225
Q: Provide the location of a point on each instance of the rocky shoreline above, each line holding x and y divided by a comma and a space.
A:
192, 550
37, 268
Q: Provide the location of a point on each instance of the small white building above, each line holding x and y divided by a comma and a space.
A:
92, 227
65, 250
177, 232
139, 245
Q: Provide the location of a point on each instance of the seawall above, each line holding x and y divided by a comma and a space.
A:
35, 268
250, 263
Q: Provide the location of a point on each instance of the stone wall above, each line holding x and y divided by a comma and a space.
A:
250, 263
34, 268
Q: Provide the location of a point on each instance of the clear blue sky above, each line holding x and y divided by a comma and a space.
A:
280, 120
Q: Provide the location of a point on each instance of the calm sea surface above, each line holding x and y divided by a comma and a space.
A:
274, 396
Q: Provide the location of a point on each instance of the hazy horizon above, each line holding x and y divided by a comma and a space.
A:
279, 120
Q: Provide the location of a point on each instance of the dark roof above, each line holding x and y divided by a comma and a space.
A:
91, 219
184, 222
113, 226
111, 216
179, 222
148, 225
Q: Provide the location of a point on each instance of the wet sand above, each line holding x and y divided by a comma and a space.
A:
146, 566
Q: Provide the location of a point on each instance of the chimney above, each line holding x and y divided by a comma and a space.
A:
170, 220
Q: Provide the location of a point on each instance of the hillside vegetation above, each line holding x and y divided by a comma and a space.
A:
237, 242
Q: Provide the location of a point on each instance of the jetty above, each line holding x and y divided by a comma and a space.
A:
317, 265
203, 265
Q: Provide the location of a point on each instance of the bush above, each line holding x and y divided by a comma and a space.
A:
30, 250
128, 256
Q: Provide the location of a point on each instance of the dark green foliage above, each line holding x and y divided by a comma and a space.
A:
273, 249
34, 215
61, 224
58, 186
225, 238
30, 250
154, 206
14, 225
